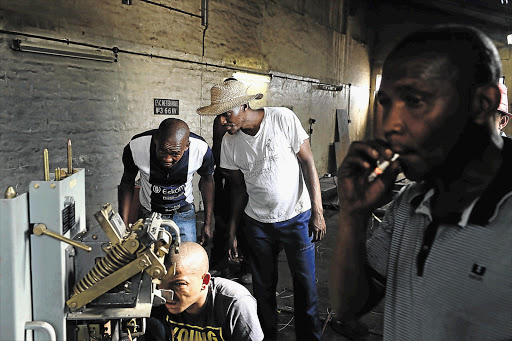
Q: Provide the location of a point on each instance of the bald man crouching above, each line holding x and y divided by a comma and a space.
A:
203, 307
167, 159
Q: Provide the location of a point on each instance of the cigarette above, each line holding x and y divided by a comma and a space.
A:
381, 168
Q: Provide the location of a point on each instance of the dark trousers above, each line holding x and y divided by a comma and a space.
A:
263, 241
220, 240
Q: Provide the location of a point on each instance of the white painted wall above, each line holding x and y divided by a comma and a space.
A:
47, 100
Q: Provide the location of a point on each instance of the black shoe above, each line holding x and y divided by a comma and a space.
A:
246, 279
354, 330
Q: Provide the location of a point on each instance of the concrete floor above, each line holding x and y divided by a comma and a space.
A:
324, 251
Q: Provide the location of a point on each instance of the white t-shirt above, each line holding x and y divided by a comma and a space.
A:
268, 161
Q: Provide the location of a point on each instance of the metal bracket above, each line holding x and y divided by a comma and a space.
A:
79, 300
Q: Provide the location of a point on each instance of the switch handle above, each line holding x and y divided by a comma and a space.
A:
41, 229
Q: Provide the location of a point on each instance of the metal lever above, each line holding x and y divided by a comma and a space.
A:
41, 229
172, 226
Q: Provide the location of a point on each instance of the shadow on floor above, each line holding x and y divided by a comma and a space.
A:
324, 252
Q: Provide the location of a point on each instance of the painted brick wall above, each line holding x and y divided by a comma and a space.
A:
47, 100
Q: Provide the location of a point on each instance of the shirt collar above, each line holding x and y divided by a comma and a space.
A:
486, 209
482, 210
425, 209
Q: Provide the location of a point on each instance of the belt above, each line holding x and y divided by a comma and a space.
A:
144, 213
184, 208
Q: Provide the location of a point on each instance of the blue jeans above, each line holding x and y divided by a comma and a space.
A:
263, 241
185, 220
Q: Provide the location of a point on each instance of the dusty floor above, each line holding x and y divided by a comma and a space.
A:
324, 251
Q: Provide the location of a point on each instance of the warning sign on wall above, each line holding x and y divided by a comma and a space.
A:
166, 106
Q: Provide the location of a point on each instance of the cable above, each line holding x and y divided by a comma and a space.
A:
287, 324
117, 50
171, 8
327, 319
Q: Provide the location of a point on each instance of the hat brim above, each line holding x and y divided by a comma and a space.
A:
222, 107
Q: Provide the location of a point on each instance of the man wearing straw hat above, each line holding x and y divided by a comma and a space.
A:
268, 156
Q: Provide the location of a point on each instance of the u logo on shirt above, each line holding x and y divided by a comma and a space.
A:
477, 272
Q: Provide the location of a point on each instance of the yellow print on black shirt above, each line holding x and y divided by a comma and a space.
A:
187, 332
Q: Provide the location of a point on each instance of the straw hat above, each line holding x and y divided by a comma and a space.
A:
225, 96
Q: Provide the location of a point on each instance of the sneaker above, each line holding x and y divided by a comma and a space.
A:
246, 279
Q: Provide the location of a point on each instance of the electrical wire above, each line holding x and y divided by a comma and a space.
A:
171, 8
286, 325
117, 50
327, 319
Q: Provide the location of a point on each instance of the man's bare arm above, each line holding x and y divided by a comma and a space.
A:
238, 202
350, 285
316, 223
207, 188
125, 194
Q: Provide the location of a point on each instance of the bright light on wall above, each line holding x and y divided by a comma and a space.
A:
251, 77
509, 39
63, 50
377, 82
256, 84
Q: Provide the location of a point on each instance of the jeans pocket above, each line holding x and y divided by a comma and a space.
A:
187, 215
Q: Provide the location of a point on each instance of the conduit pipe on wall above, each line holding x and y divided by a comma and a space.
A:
348, 103
203, 16
117, 51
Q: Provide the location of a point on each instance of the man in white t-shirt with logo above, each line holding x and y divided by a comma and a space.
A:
268, 156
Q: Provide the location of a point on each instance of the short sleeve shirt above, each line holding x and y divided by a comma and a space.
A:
166, 190
268, 161
229, 314
465, 291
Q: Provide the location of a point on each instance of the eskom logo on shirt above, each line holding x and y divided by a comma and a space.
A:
166, 191
187, 332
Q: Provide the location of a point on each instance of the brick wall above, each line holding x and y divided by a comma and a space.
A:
47, 100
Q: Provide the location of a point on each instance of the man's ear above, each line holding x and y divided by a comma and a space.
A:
206, 280
187, 146
485, 103
504, 121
